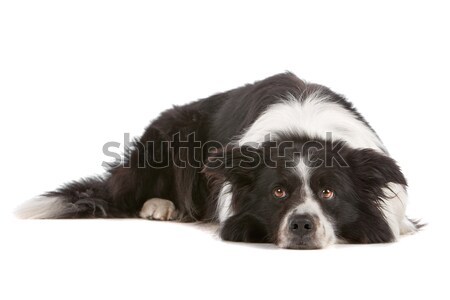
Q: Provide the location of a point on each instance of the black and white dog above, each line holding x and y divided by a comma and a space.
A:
278, 161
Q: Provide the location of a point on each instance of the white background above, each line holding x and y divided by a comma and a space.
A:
77, 74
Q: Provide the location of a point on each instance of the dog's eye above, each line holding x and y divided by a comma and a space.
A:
279, 193
326, 194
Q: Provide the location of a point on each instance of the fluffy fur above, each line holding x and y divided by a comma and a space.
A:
229, 157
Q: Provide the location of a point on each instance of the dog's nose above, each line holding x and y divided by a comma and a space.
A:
301, 225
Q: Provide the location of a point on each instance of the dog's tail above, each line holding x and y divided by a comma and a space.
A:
86, 198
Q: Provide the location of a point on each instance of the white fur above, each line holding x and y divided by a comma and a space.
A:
44, 208
394, 207
224, 209
314, 117
304, 172
158, 209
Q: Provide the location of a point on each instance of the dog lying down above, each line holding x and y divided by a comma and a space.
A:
277, 161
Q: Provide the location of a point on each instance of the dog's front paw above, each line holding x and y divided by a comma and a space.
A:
158, 209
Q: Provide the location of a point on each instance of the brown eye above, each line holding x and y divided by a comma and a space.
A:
326, 194
279, 193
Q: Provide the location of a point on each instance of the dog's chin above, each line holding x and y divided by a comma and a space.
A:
301, 246
309, 244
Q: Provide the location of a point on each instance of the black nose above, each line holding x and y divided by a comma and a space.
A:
301, 225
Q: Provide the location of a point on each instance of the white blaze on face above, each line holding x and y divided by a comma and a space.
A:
324, 233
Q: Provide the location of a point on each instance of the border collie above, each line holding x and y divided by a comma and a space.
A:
278, 161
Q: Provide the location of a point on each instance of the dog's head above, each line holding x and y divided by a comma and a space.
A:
305, 194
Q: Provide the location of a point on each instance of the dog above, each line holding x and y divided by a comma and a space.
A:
278, 161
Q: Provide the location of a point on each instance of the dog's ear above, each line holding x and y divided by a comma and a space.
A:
374, 168
235, 164
371, 173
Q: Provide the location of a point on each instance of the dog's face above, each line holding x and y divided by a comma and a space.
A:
306, 194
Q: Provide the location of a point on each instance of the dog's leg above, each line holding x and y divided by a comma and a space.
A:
158, 209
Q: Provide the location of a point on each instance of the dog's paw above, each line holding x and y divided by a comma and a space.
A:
158, 209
